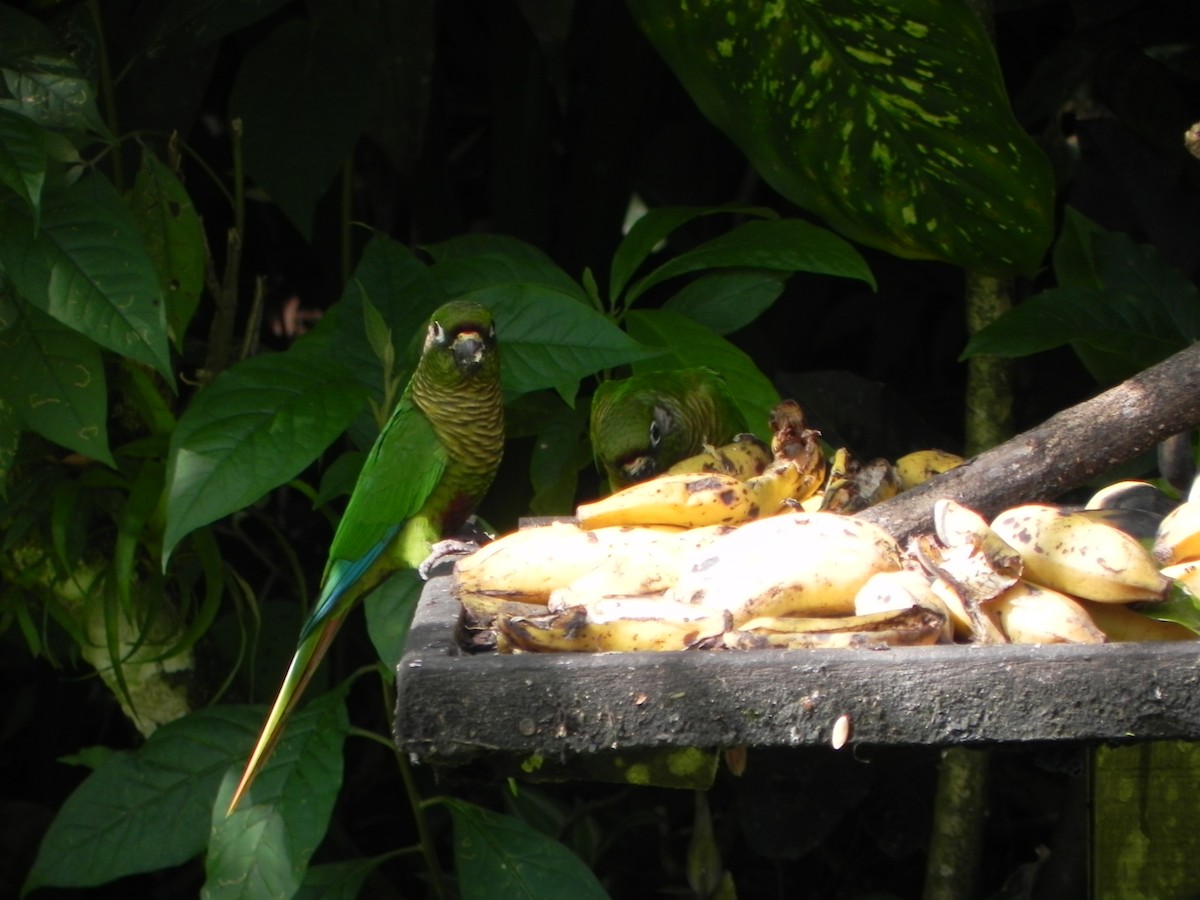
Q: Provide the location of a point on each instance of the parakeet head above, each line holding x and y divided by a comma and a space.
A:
460, 342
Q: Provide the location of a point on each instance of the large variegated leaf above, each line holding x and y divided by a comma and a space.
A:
889, 120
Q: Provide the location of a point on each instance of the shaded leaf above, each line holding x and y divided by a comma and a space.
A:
186, 24
476, 262
891, 123
148, 809
649, 230
786, 245
499, 857
167, 220
87, 266
303, 96
53, 380
727, 301
560, 451
340, 880
404, 37
259, 424
23, 158
262, 849
43, 82
685, 344
389, 612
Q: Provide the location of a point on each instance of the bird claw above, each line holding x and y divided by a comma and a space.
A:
442, 551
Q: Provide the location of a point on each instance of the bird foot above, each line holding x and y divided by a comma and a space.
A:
442, 551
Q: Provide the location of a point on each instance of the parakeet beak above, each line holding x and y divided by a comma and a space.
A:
468, 350
638, 467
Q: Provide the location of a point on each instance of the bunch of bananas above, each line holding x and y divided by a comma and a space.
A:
747, 546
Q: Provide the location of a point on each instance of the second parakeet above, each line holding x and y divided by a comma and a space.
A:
644, 424
429, 467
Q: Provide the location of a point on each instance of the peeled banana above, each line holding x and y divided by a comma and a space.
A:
687, 499
914, 626
809, 564
1030, 614
1079, 556
918, 467
615, 626
1178, 538
904, 589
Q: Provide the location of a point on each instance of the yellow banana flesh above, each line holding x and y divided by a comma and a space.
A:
744, 457
1030, 614
1178, 538
904, 589
616, 626
1122, 623
1080, 556
918, 467
915, 626
687, 499
527, 565
809, 564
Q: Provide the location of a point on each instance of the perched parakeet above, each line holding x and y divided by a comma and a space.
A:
430, 466
642, 425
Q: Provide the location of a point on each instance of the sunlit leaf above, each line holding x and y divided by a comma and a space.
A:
259, 424
890, 122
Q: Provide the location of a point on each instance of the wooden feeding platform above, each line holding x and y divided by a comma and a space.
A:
501, 711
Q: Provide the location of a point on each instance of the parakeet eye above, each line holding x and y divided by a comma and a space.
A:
655, 434
437, 333
660, 424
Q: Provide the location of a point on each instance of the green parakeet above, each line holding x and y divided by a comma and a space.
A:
643, 425
430, 466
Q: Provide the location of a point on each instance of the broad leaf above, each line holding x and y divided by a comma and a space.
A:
499, 857
262, 849
53, 380
187, 24
340, 880
890, 122
479, 261
87, 266
170, 226
149, 809
42, 80
259, 424
727, 301
785, 245
23, 158
652, 228
685, 344
560, 450
303, 96
404, 36
549, 340
389, 612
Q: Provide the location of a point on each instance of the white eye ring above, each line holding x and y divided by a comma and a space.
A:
655, 434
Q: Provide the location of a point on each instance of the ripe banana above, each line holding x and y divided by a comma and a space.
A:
614, 626
918, 467
1178, 538
978, 628
904, 589
914, 626
1030, 614
527, 565
1079, 556
688, 499
790, 564
744, 457
971, 557
783, 480
1123, 623
853, 486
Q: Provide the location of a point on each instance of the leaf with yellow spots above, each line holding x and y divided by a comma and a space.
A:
890, 122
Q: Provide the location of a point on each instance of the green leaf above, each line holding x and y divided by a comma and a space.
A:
499, 857
23, 158
303, 96
190, 24
53, 380
87, 266
650, 230
148, 809
476, 262
549, 340
340, 880
42, 81
686, 344
262, 849
1180, 606
259, 424
1074, 257
786, 245
560, 450
727, 301
389, 612
404, 35
890, 122
164, 214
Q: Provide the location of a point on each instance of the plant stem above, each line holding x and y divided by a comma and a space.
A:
989, 415
954, 845
107, 92
424, 834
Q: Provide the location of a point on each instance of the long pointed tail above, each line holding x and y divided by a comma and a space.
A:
304, 662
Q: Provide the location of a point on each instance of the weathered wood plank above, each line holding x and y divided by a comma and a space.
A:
454, 708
